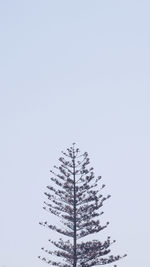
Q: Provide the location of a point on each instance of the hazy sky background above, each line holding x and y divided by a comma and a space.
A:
74, 71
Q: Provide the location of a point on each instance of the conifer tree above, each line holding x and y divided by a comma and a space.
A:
74, 196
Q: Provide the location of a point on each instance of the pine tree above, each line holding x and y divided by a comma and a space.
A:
77, 200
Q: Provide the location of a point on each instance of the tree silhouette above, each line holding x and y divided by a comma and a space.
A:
76, 198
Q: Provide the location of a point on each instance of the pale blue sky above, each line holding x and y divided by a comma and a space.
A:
74, 71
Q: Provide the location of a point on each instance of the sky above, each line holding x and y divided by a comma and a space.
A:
74, 71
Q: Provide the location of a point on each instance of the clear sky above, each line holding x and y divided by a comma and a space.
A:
74, 71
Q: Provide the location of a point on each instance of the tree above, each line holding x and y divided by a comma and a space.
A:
77, 200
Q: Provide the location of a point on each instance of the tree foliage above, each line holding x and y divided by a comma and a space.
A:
75, 197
